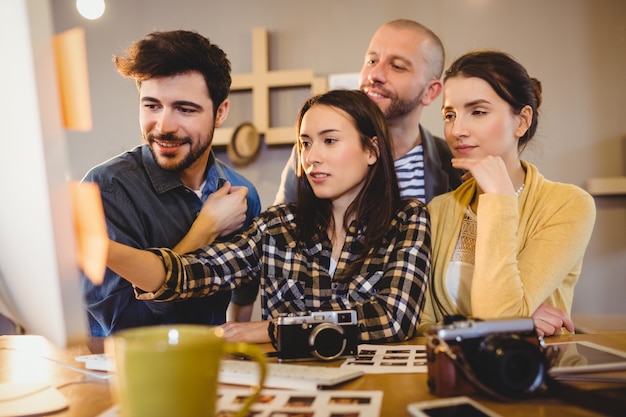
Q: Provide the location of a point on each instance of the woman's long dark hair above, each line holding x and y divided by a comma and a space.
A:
375, 205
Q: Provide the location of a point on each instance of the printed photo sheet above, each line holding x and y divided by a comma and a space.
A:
287, 403
386, 359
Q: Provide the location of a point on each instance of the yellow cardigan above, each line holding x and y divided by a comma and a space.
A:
529, 249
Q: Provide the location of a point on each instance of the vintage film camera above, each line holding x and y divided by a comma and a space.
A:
324, 335
503, 357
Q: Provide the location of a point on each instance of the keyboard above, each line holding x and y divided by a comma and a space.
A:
284, 375
96, 361
245, 372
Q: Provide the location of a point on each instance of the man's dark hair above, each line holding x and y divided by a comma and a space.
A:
164, 54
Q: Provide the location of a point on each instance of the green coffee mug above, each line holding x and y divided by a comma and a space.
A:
166, 371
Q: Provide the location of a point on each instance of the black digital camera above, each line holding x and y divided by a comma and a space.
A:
324, 335
501, 357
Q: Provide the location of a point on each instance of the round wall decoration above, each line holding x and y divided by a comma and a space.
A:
244, 145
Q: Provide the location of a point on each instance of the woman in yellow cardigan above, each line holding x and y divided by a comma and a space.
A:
507, 242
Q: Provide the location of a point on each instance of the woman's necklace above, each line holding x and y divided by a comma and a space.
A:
519, 190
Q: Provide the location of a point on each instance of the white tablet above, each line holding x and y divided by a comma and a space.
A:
582, 357
450, 407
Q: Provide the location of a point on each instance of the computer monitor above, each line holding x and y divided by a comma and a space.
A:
39, 275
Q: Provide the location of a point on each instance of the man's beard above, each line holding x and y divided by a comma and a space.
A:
399, 108
195, 152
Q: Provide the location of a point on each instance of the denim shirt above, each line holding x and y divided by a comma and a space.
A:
145, 207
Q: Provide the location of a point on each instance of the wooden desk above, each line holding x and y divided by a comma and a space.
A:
22, 359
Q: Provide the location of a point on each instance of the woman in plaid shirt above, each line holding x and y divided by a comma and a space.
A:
349, 242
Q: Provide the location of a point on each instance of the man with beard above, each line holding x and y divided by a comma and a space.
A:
401, 73
153, 193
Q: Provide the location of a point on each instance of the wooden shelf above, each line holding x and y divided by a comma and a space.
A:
606, 186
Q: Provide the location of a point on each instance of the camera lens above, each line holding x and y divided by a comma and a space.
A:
327, 341
510, 365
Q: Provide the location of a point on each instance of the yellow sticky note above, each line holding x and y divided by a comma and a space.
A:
92, 240
71, 64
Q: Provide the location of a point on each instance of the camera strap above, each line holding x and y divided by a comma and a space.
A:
271, 332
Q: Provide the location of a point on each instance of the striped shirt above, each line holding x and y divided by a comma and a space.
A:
410, 172
387, 292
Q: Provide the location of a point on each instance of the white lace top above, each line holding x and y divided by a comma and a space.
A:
461, 268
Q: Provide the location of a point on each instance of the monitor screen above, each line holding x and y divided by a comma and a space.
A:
39, 275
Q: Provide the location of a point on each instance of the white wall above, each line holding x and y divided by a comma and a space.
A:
577, 48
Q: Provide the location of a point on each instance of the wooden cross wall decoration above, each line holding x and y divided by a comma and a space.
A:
260, 81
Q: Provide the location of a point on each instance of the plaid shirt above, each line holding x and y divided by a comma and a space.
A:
387, 293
